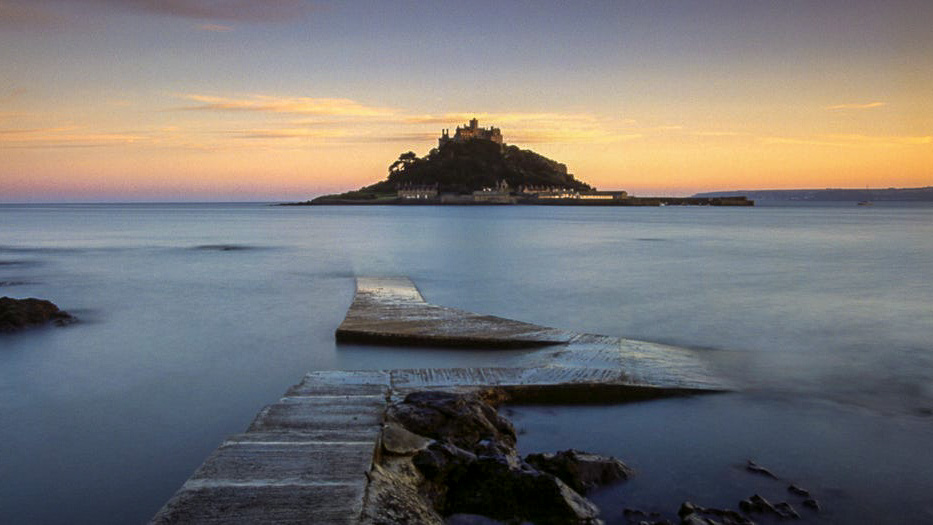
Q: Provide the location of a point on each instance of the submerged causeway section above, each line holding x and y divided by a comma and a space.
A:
307, 458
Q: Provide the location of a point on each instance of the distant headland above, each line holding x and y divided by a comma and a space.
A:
475, 166
924, 194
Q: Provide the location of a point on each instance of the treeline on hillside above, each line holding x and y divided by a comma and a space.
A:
464, 167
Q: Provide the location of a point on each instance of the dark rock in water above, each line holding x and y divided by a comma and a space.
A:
224, 247
581, 471
786, 510
503, 488
794, 489
759, 505
751, 466
16, 314
696, 515
463, 420
812, 504
472, 468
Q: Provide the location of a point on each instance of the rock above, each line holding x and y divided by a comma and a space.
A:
786, 510
470, 465
397, 440
794, 489
437, 460
392, 498
503, 488
582, 471
751, 466
696, 515
463, 420
16, 314
812, 504
758, 504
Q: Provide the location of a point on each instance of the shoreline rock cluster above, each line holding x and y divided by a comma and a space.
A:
449, 455
17, 314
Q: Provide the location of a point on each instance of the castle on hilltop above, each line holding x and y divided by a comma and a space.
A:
470, 132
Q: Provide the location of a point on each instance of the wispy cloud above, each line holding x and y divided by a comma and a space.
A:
500, 118
343, 120
215, 28
852, 140
291, 133
64, 137
718, 133
867, 105
538, 128
569, 135
295, 105
17, 15
229, 10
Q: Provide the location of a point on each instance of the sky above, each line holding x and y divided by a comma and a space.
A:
216, 100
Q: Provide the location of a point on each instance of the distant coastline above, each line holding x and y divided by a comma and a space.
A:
923, 194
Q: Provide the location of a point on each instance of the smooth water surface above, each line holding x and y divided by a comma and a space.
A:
193, 317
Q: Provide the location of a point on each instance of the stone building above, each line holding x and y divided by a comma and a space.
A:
417, 192
469, 132
501, 194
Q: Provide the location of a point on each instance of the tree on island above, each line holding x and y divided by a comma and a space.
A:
404, 160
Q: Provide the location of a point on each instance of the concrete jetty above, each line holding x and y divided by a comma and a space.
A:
306, 458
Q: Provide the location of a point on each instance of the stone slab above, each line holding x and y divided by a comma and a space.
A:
392, 311
321, 413
284, 461
268, 504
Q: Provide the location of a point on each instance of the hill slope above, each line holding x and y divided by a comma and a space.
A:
464, 167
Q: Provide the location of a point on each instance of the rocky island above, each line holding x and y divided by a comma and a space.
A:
475, 166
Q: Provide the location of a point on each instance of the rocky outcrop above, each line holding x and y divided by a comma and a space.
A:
759, 505
751, 466
463, 420
470, 466
581, 471
16, 314
504, 488
691, 514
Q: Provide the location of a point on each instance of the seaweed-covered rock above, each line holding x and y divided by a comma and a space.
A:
16, 314
582, 471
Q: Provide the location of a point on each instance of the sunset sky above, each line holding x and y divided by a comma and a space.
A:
151, 100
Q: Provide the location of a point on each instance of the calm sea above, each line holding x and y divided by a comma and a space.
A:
193, 317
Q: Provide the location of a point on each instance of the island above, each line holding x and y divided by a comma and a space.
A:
475, 166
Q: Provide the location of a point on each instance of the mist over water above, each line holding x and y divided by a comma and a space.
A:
192, 317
